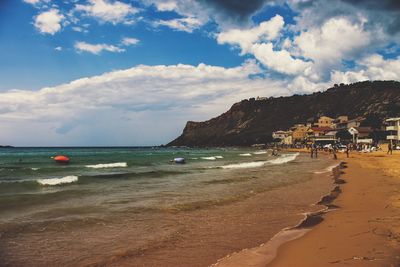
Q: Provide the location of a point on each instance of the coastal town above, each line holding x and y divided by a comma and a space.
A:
341, 130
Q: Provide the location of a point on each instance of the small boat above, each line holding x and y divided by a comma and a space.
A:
179, 160
61, 159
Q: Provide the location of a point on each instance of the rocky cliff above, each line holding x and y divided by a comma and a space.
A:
252, 121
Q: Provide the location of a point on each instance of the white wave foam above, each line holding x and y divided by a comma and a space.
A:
209, 158
108, 165
245, 155
260, 152
285, 158
58, 181
35, 169
244, 165
327, 169
213, 157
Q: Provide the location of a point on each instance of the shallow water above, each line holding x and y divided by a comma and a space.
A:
121, 201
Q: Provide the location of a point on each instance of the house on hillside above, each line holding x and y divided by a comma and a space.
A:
340, 122
301, 132
355, 122
319, 131
393, 129
324, 121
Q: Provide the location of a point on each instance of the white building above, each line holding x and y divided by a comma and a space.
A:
393, 129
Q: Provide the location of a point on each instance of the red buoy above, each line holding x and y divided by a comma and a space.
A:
61, 159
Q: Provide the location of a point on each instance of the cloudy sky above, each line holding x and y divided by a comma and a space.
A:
125, 72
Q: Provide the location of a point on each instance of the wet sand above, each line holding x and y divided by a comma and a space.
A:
363, 231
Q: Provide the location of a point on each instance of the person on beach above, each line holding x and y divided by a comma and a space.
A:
312, 150
316, 151
347, 150
390, 148
334, 151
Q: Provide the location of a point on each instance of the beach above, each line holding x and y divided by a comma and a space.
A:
318, 212
363, 228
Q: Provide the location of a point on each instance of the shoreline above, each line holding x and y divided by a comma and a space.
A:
364, 230
267, 252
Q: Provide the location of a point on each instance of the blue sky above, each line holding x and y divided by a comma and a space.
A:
119, 72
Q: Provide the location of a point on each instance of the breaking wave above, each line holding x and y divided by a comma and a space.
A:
108, 165
58, 181
213, 157
244, 165
245, 155
260, 152
283, 159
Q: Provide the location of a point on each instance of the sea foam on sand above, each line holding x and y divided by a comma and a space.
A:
58, 181
245, 155
108, 165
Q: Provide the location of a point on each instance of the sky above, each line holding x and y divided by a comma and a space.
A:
132, 73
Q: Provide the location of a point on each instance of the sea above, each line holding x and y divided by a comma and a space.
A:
133, 206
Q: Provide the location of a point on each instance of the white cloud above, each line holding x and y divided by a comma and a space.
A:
79, 29
146, 103
336, 40
36, 2
266, 31
373, 67
58, 48
280, 61
127, 41
188, 24
106, 11
97, 48
193, 14
49, 21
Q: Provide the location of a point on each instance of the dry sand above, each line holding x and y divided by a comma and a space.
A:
363, 231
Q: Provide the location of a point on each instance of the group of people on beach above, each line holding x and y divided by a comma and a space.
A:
332, 149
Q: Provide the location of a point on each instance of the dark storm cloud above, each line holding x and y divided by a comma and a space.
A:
379, 4
384, 12
381, 13
235, 10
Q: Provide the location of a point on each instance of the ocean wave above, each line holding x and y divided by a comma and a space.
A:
245, 155
35, 169
244, 165
58, 181
260, 152
108, 165
285, 158
213, 157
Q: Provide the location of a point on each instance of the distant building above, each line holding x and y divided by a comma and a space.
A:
300, 132
363, 132
285, 137
324, 121
261, 98
393, 129
355, 122
280, 134
319, 131
340, 122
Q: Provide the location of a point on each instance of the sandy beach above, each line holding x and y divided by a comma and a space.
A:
364, 229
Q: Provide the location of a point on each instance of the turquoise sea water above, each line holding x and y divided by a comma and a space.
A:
40, 198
